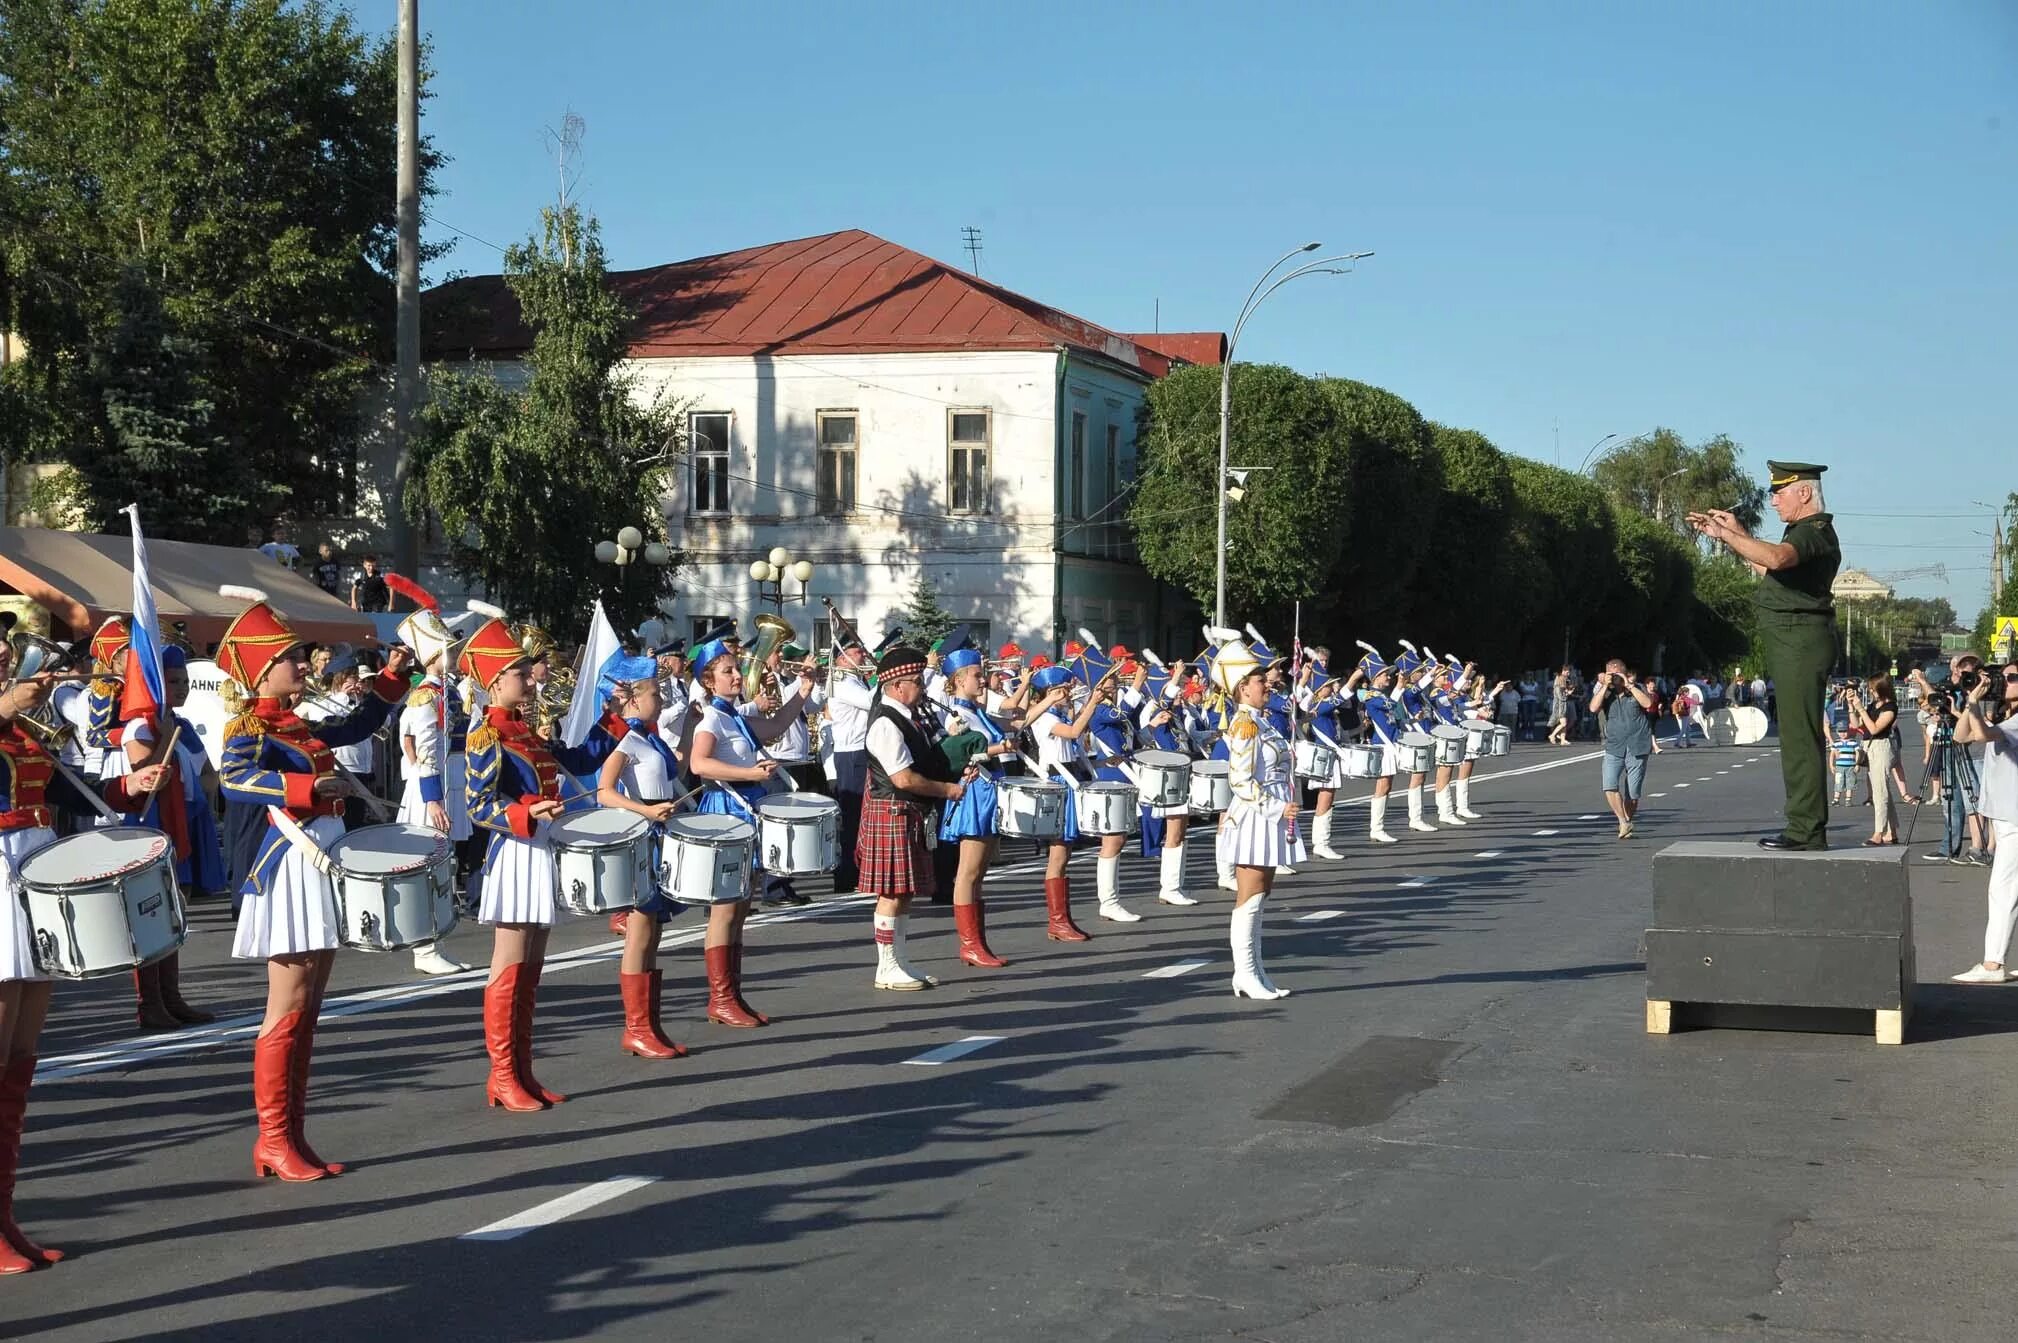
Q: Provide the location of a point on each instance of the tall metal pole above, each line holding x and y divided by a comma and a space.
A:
406, 372
1225, 426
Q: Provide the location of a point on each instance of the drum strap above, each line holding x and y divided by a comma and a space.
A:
300, 839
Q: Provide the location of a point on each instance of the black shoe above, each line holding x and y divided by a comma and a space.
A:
1780, 843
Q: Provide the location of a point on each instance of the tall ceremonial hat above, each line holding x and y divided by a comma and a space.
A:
109, 640
1410, 661
1779, 475
254, 641
492, 649
1232, 660
422, 629
1372, 664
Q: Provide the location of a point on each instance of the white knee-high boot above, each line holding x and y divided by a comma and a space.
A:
1320, 835
1445, 815
1376, 829
1223, 861
1107, 878
1245, 936
1172, 877
891, 972
1415, 821
1464, 801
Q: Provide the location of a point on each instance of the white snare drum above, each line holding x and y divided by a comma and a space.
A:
1211, 787
1106, 808
1449, 744
395, 886
1030, 808
799, 834
1361, 760
102, 902
1164, 778
1417, 752
1313, 760
705, 859
601, 856
1477, 737
1502, 741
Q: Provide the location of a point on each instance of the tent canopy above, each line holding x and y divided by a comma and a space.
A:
81, 579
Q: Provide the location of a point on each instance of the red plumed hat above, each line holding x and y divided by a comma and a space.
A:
254, 641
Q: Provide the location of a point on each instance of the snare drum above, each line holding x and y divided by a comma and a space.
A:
1211, 787
704, 859
1449, 744
1106, 808
1477, 737
395, 886
1313, 760
102, 902
1502, 741
1030, 808
604, 857
799, 834
1164, 778
1362, 760
1418, 752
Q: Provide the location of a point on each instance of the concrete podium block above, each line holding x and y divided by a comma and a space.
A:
1735, 924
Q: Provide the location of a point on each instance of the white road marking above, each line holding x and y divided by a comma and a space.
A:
1704, 779
1681, 785
1548, 832
1173, 971
1723, 771
1422, 881
1487, 853
932, 1058
1315, 916
557, 1209
1591, 816
1656, 794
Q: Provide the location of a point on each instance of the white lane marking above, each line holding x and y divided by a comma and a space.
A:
1418, 881
1548, 832
1656, 794
1487, 853
1173, 971
557, 1209
1315, 916
932, 1058
1591, 816
1723, 771
1681, 785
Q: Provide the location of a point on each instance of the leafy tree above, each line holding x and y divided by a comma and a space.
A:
1723, 624
1661, 476
206, 184
1560, 520
1388, 502
923, 618
526, 479
1463, 599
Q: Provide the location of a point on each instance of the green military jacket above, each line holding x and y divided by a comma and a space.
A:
1803, 589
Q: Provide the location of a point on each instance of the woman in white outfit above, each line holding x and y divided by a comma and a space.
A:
1988, 718
1261, 830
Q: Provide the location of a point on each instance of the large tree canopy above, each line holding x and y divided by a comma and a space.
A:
196, 237
1663, 478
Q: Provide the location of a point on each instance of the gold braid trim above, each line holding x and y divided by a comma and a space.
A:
420, 697
482, 738
105, 686
247, 724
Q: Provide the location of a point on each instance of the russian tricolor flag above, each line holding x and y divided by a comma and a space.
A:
143, 695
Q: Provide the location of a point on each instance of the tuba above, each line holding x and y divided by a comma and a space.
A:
773, 632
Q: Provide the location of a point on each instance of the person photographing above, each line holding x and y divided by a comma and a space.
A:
1988, 717
1797, 627
1624, 709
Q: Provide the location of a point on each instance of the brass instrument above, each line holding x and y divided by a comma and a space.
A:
773, 633
535, 643
551, 699
32, 655
52, 735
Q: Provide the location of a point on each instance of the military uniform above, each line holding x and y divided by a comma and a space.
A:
1797, 629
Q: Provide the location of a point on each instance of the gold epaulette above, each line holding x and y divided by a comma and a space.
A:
482, 738
105, 686
421, 696
247, 724
1243, 728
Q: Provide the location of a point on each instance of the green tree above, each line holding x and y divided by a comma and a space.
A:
923, 618
1664, 478
1463, 599
1387, 505
526, 479
236, 156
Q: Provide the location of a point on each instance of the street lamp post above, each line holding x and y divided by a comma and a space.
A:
628, 548
1593, 452
1255, 298
771, 573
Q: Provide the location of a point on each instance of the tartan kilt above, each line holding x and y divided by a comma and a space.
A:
890, 849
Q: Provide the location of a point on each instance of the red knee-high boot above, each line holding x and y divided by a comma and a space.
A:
18, 1254
500, 1038
641, 1018
736, 980
723, 1006
272, 1100
297, 1077
1058, 905
522, 1019
972, 923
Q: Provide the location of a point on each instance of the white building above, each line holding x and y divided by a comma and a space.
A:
880, 414
1854, 585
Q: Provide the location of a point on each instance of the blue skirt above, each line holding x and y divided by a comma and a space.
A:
973, 816
715, 798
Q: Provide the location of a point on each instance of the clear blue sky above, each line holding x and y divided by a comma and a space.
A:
1793, 223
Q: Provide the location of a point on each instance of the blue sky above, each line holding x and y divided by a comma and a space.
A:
1793, 223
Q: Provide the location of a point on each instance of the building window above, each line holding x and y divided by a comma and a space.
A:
967, 460
708, 437
823, 636
1075, 480
836, 493
703, 626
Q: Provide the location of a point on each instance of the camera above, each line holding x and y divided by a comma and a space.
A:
1968, 680
1939, 704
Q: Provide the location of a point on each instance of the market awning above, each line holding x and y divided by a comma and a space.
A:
81, 579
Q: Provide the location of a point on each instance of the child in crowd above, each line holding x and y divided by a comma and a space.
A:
1844, 754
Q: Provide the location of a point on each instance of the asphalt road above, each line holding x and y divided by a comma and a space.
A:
1455, 1128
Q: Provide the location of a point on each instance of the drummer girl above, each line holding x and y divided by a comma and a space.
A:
972, 730
30, 790
288, 915
641, 776
514, 790
1447, 706
1109, 741
1162, 722
1319, 696
1415, 716
1383, 730
1058, 752
1261, 824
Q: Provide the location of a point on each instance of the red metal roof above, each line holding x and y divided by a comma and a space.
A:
1192, 347
849, 292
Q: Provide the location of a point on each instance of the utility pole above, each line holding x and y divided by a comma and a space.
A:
406, 371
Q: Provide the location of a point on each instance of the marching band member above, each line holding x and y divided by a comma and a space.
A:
1446, 707
1262, 835
514, 785
30, 790
1108, 734
1161, 721
641, 776
849, 703
103, 728
907, 774
1383, 723
1319, 697
1058, 751
1477, 702
976, 732
433, 745
1410, 681
288, 916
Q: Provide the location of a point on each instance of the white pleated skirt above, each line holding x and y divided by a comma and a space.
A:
413, 810
519, 881
297, 910
1257, 836
17, 956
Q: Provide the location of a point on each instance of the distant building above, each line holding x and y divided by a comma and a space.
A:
1854, 585
880, 413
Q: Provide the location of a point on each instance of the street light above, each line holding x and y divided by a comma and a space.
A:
628, 548
1593, 452
1255, 298
771, 573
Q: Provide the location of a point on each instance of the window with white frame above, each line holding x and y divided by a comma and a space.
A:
708, 443
703, 626
835, 492
1075, 477
968, 435
823, 636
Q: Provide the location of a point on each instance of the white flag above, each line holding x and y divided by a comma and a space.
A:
585, 705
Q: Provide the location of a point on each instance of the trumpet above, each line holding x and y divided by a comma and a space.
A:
53, 737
